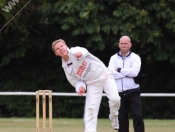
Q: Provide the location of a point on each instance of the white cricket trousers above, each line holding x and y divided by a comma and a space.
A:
93, 100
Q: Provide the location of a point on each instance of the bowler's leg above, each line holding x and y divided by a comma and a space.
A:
111, 91
114, 100
93, 99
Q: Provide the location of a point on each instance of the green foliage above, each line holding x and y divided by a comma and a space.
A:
27, 62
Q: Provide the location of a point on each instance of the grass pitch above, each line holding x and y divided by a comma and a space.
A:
77, 125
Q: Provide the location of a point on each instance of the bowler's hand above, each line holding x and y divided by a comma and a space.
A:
81, 90
78, 55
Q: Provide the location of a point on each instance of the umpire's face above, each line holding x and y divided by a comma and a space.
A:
125, 45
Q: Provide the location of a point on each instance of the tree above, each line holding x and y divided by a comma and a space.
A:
27, 62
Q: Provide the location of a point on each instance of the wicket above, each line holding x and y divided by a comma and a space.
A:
44, 93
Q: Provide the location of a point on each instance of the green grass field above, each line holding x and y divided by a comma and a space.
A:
77, 125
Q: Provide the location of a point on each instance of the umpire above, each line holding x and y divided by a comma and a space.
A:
125, 65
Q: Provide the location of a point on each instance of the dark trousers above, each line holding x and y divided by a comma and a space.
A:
131, 100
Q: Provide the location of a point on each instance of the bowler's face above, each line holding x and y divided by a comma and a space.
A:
60, 49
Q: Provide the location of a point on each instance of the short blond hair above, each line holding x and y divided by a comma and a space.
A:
57, 41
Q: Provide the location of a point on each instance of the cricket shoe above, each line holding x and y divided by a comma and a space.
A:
114, 122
